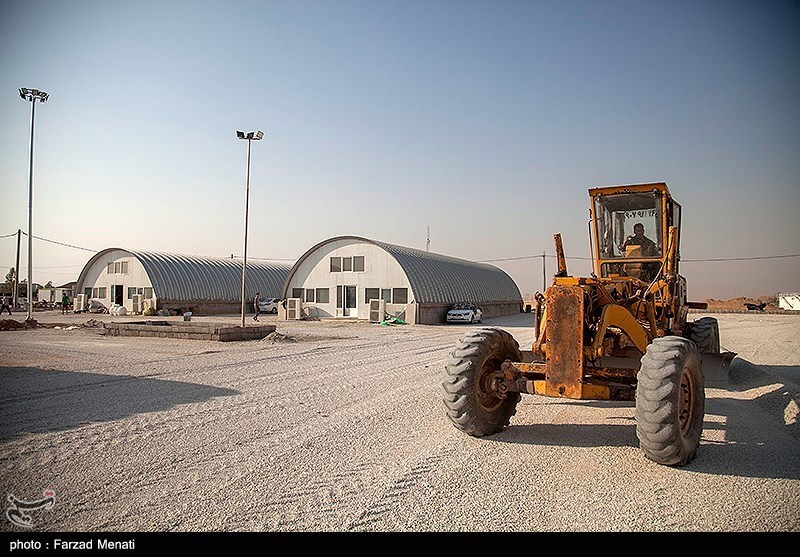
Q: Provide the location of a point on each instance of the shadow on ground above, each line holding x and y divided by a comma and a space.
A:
757, 442
35, 400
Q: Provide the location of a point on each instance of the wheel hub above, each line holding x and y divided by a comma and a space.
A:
488, 397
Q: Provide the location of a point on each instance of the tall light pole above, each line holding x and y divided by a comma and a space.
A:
31, 95
250, 137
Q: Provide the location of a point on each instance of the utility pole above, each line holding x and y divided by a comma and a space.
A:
544, 273
16, 270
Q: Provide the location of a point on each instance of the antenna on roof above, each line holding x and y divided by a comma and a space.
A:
428, 244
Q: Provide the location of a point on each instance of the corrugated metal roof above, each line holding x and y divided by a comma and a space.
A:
436, 278
178, 277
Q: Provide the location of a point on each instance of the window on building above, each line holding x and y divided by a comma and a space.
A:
339, 296
87, 292
347, 263
117, 268
147, 292
323, 296
358, 263
298, 293
371, 294
309, 294
143, 292
336, 264
399, 295
386, 295
99, 292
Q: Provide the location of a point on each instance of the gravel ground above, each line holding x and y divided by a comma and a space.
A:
339, 426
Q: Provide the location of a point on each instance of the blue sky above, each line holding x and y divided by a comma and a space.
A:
485, 121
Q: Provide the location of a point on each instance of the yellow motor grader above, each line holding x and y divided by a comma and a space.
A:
620, 334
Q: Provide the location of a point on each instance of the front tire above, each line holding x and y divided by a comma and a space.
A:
469, 402
670, 401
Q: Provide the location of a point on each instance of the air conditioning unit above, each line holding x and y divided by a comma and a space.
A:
137, 303
377, 310
78, 303
294, 308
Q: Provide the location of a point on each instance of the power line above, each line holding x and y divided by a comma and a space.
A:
529, 257
682, 260
59, 267
51, 241
539, 256
63, 244
740, 258
267, 258
95, 251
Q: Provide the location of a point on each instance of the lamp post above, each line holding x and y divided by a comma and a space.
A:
250, 137
31, 95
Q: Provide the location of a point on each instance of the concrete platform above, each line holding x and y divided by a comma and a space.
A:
186, 330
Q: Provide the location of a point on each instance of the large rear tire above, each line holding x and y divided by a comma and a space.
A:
705, 334
468, 399
670, 401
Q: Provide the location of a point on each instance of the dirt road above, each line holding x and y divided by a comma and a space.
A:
340, 427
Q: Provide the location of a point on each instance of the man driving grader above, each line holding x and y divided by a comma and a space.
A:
620, 334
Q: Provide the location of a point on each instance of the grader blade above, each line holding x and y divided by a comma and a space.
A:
716, 367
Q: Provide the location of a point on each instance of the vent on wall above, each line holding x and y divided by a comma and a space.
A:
377, 310
294, 308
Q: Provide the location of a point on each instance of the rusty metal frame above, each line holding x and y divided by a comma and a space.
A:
567, 359
661, 187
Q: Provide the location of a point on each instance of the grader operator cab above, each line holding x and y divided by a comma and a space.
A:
620, 334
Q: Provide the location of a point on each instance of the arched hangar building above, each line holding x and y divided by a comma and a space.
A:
203, 285
340, 276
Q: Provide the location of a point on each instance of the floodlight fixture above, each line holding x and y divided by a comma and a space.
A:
33, 95
250, 136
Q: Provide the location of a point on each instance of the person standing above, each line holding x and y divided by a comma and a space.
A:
6, 304
255, 305
64, 302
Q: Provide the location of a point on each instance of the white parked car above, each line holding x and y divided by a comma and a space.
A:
269, 305
465, 313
